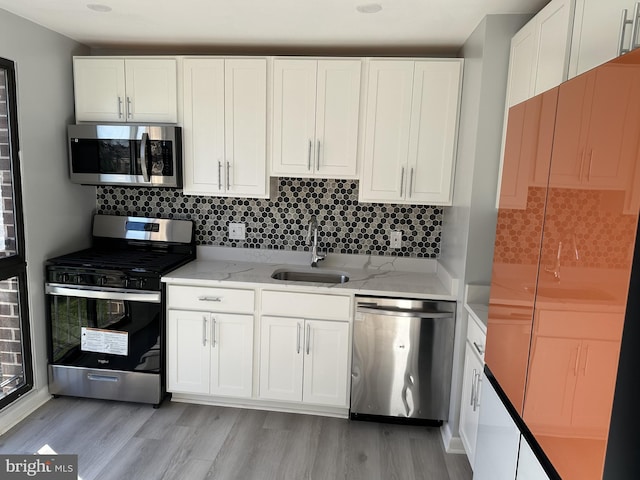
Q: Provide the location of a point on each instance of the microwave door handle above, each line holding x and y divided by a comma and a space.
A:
143, 157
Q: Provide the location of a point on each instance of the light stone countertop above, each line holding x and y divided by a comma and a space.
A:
368, 275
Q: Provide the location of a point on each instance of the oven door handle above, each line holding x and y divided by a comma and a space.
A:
104, 294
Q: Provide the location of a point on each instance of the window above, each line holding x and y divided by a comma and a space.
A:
16, 371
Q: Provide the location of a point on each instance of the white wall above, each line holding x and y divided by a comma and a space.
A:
57, 213
468, 230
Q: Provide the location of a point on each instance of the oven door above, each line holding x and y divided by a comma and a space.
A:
125, 155
105, 328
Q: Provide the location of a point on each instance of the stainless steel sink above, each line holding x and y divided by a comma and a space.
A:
319, 276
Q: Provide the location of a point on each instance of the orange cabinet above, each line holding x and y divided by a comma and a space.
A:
518, 240
564, 265
596, 114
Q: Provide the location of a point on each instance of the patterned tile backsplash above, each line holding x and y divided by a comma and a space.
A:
346, 226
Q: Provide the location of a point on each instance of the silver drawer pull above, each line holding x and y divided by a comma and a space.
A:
210, 299
102, 378
479, 348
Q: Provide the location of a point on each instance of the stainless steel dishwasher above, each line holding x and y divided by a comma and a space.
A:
402, 359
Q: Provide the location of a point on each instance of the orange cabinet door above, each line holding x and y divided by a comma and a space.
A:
518, 239
552, 383
567, 162
608, 160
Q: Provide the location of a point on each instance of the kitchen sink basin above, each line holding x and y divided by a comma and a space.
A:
319, 276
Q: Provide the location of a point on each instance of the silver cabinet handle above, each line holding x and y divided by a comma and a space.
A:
318, 157
623, 27
210, 299
309, 157
213, 333
634, 27
204, 331
119, 106
219, 175
308, 339
298, 337
401, 181
129, 108
479, 348
473, 387
476, 402
411, 182
228, 176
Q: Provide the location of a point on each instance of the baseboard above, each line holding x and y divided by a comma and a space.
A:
451, 444
22, 408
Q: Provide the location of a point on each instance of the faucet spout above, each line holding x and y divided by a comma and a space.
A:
312, 241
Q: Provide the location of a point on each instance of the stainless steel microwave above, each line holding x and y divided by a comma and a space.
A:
134, 155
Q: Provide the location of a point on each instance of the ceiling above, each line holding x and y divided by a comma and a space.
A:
439, 25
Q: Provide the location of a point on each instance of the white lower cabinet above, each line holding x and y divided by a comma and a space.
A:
470, 407
498, 439
529, 468
304, 360
210, 353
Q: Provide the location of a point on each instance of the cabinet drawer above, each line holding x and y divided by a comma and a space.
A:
476, 337
211, 299
306, 305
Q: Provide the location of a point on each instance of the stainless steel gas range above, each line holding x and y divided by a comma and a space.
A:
106, 321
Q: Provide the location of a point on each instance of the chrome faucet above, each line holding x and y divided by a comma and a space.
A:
312, 240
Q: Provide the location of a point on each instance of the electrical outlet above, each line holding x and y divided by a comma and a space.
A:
237, 231
395, 239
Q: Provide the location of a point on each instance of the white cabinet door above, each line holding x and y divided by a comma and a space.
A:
529, 467
554, 26
224, 127
326, 362
410, 131
188, 352
232, 355
294, 116
125, 89
246, 126
522, 64
151, 90
99, 89
203, 126
281, 358
498, 438
337, 118
469, 409
316, 106
386, 131
434, 121
596, 33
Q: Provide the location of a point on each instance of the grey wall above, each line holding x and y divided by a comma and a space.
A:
57, 213
468, 229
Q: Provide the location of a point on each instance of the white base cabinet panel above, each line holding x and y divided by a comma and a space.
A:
470, 407
529, 467
498, 438
210, 353
304, 360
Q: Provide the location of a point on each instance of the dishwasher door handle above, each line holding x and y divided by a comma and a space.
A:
404, 313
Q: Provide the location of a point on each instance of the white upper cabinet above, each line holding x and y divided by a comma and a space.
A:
224, 126
538, 62
598, 33
316, 105
410, 131
540, 52
115, 89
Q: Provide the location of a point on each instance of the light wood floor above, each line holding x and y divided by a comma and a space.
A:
123, 441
